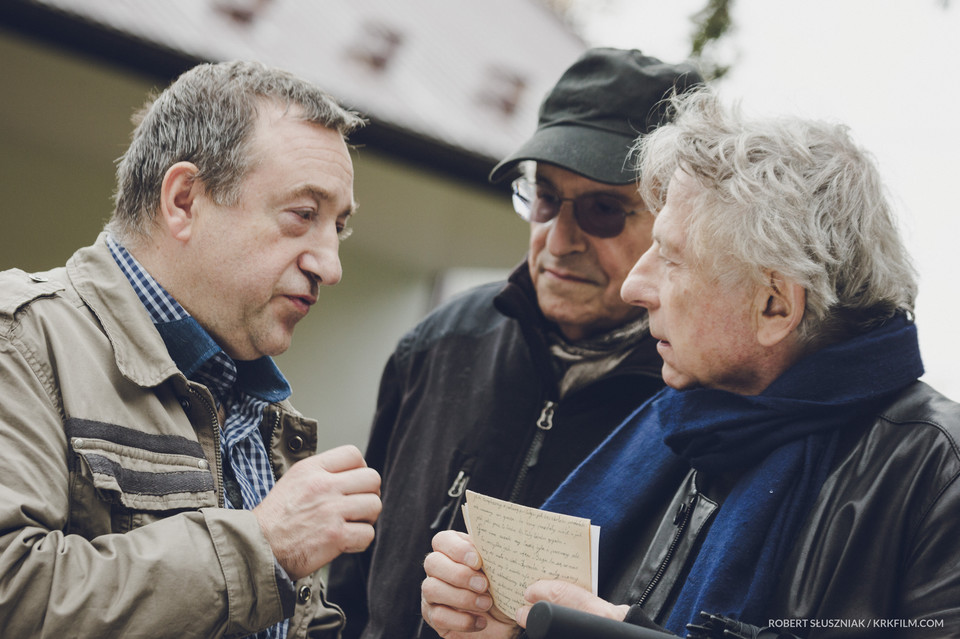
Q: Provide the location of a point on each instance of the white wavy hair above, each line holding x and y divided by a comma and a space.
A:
790, 196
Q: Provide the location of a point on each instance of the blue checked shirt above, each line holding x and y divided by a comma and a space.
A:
242, 389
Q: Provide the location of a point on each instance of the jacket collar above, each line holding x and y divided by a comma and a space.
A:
196, 353
518, 300
139, 350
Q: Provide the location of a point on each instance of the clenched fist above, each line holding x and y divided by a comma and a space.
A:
321, 507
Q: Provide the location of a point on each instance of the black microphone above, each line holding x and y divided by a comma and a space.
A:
550, 621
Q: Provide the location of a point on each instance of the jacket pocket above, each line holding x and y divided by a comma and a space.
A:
140, 471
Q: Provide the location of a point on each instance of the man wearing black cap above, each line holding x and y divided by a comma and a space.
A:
507, 388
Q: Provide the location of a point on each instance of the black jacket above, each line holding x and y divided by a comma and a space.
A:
879, 554
459, 406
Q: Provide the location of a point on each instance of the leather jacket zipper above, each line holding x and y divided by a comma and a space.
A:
458, 489
680, 520
544, 423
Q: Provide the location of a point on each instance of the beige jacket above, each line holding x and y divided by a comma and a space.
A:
111, 518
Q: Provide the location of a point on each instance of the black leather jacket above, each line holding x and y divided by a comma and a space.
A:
879, 554
469, 399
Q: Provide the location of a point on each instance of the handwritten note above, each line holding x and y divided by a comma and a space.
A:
519, 545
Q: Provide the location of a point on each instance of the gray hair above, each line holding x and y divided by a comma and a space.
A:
786, 195
207, 117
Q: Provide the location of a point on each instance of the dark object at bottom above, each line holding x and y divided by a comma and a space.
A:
720, 627
550, 621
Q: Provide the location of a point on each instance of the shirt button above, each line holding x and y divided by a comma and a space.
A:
185, 404
78, 443
295, 443
304, 594
202, 464
39, 279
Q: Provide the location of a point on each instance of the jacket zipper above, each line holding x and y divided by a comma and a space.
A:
544, 423
459, 485
216, 442
448, 514
681, 520
270, 434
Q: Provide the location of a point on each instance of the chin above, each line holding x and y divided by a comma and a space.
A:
677, 381
275, 350
273, 347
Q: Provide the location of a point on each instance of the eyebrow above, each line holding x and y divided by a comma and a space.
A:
544, 181
665, 245
667, 251
310, 191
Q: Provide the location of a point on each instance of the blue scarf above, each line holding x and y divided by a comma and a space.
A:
782, 441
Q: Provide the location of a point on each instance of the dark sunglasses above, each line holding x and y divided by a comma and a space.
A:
598, 215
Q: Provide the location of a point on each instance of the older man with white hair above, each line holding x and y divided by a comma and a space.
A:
796, 474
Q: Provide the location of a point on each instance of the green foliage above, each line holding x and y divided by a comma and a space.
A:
710, 24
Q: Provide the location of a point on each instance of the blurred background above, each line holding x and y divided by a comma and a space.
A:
449, 87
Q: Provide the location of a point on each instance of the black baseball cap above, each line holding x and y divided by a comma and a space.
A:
591, 118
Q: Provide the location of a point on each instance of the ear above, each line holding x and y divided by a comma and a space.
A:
780, 307
178, 198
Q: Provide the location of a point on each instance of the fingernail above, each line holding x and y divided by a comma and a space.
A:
478, 583
484, 602
472, 559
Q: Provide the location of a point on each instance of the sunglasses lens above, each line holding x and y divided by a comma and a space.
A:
597, 215
600, 216
546, 206
534, 203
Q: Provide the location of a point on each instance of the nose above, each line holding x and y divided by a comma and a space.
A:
564, 235
640, 286
321, 260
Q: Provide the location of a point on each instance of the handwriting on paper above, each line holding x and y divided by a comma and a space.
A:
519, 545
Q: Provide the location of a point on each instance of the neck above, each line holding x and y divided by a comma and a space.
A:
780, 359
159, 261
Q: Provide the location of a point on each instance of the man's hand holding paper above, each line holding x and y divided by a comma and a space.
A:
456, 595
456, 600
521, 545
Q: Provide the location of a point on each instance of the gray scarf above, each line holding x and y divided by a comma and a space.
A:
580, 364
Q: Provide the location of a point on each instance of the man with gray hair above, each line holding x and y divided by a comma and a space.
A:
156, 481
795, 475
507, 388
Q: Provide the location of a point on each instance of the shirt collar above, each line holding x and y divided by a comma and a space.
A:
190, 346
